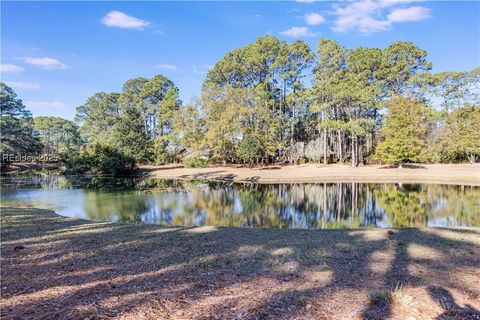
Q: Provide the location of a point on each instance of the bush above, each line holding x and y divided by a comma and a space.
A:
100, 158
250, 149
77, 163
195, 162
157, 152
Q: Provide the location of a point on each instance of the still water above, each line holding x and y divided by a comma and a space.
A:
196, 203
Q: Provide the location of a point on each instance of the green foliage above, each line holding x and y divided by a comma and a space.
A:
401, 62
195, 162
250, 149
100, 159
404, 206
16, 126
97, 116
129, 137
454, 89
460, 139
158, 101
137, 122
157, 152
60, 137
257, 89
78, 163
154, 183
347, 95
255, 107
404, 132
188, 130
224, 111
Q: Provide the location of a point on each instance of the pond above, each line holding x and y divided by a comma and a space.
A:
197, 203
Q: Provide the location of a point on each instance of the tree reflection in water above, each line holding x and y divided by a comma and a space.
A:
324, 206
321, 205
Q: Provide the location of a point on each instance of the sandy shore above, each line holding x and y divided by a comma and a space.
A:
437, 173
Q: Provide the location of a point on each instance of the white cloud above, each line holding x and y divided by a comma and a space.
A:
367, 16
391, 3
31, 104
121, 20
313, 19
167, 66
10, 68
202, 68
45, 63
305, 1
27, 86
297, 32
409, 14
359, 16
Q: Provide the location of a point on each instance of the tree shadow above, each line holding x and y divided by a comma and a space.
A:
215, 175
254, 179
148, 169
452, 310
77, 269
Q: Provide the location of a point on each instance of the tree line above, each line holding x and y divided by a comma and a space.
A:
269, 102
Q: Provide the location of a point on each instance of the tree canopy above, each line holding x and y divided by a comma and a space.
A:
404, 132
271, 101
16, 125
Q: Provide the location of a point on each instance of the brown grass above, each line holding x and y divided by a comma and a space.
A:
434, 173
63, 268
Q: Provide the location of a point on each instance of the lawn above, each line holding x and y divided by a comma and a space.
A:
56, 267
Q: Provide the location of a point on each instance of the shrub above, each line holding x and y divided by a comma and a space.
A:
157, 152
250, 149
195, 162
100, 158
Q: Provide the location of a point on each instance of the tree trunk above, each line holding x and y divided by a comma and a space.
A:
324, 146
471, 158
354, 159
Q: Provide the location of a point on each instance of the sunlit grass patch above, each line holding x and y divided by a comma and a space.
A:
384, 297
132, 270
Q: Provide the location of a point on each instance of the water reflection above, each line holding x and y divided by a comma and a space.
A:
322, 206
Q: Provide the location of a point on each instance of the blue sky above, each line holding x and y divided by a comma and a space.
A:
56, 54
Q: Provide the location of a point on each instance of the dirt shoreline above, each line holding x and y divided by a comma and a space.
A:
66, 268
463, 174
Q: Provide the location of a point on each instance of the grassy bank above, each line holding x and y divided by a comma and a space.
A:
55, 267
465, 174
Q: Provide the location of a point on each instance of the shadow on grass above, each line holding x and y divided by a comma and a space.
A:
71, 268
216, 175
451, 309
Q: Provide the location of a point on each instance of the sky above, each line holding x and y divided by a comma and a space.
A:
57, 54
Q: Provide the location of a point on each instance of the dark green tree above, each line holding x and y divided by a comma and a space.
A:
16, 125
250, 149
406, 126
60, 137
129, 137
97, 116
460, 138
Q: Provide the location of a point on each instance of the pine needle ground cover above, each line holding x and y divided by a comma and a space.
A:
63, 268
